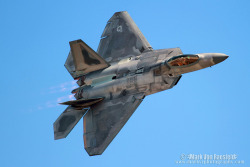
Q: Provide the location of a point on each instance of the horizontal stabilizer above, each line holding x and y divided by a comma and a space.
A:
67, 121
82, 59
81, 103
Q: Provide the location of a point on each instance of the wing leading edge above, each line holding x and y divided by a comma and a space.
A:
104, 121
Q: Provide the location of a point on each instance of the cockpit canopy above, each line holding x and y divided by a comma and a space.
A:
183, 60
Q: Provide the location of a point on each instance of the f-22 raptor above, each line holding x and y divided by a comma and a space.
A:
114, 80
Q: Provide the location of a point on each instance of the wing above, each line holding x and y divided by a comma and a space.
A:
104, 121
121, 39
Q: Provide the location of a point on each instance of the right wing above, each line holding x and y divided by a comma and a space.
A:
105, 119
121, 39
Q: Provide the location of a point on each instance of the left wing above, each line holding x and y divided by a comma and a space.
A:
104, 121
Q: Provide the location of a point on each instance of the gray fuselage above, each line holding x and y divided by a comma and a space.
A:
147, 73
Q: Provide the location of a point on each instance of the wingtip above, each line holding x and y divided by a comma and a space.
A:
57, 137
121, 12
118, 14
92, 151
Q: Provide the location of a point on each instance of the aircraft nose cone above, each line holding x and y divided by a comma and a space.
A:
219, 57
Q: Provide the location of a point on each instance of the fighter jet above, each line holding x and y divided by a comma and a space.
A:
114, 80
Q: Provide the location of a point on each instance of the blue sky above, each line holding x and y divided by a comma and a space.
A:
206, 113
